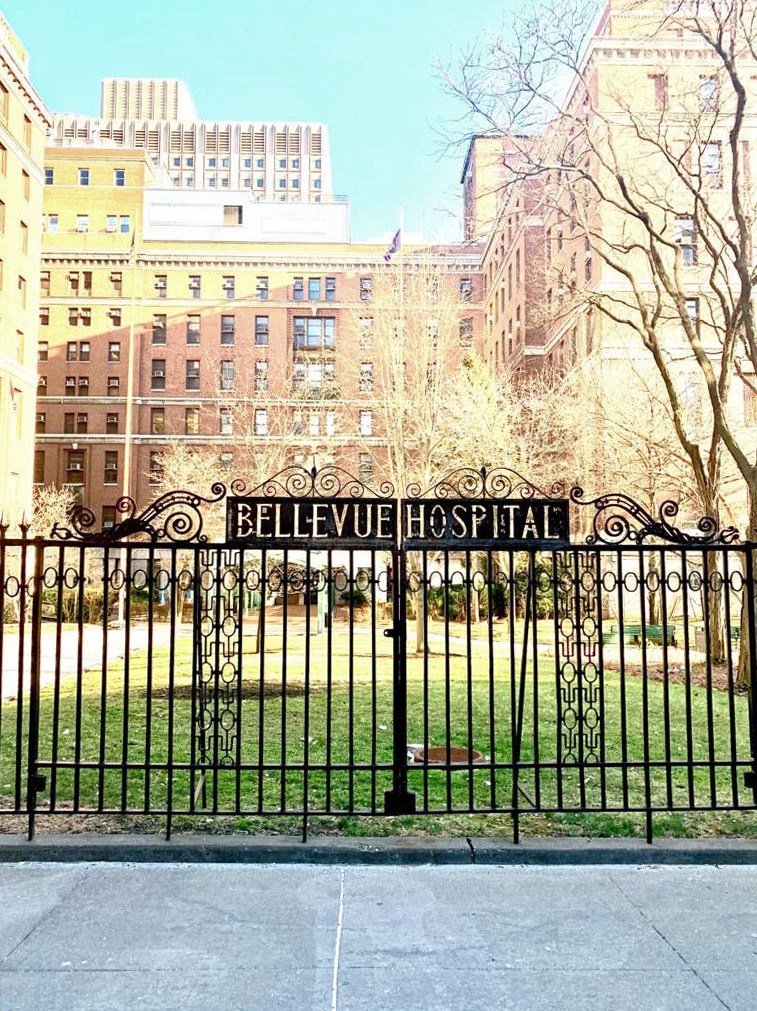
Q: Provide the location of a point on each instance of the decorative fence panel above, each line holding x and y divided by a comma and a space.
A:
344, 651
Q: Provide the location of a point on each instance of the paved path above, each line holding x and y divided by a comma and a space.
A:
354, 938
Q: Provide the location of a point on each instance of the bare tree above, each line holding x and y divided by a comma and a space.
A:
646, 172
51, 507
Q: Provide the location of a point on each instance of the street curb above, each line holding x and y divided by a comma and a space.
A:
82, 848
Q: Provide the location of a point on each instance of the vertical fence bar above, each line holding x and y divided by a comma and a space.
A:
35, 782
398, 800
750, 780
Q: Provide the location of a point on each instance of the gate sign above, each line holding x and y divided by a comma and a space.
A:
485, 522
288, 522
461, 523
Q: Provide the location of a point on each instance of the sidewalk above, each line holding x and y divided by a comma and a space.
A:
281, 937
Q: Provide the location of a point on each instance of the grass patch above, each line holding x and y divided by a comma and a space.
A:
309, 728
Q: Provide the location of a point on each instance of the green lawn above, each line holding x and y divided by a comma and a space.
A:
279, 740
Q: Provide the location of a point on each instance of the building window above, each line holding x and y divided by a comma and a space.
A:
193, 329
51, 224
365, 468
44, 282
366, 332
111, 424
465, 289
39, 466
69, 422
330, 289
227, 375
3, 102
192, 421
366, 423
228, 328
4, 160
228, 286
111, 467
156, 468
314, 289
44, 315
111, 223
84, 177
25, 181
158, 420
83, 386
232, 214
261, 376
686, 237
692, 310
159, 328
108, 517
261, 331
466, 332
708, 94
261, 289
71, 351
40, 423
116, 282
84, 350
194, 285
119, 177
711, 163
124, 224
158, 374
75, 466
192, 376
82, 222
314, 333
114, 351
22, 290
298, 289
161, 285
225, 421
366, 378
315, 378
42, 351
660, 85
750, 402
113, 386
261, 421
366, 289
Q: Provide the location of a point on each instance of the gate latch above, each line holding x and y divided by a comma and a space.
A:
390, 633
750, 778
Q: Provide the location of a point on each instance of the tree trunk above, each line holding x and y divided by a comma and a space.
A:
744, 672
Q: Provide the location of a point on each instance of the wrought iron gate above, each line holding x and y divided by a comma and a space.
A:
343, 650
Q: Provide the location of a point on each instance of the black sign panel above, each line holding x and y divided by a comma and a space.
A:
373, 523
312, 523
463, 523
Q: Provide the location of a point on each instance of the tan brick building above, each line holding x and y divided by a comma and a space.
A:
24, 122
165, 318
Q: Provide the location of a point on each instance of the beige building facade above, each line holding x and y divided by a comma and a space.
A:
24, 123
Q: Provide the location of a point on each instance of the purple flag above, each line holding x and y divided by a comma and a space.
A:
394, 245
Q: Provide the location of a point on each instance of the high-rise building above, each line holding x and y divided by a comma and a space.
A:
204, 319
276, 162
24, 122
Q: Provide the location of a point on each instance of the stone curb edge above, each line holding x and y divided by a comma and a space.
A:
355, 851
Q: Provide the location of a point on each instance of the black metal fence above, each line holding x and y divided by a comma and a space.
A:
334, 656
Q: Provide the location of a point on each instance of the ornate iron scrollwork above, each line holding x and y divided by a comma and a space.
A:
174, 517
499, 482
618, 518
298, 482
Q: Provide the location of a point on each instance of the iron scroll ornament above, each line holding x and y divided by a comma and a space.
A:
298, 482
619, 518
497, 483
174, 517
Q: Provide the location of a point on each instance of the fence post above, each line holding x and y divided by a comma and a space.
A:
35, 782
398, 800
750, 778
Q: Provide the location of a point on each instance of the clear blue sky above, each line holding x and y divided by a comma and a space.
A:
364, 69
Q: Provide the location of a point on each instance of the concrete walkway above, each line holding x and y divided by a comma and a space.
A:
279, 937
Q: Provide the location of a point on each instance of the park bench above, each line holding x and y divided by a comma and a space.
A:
632, 634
